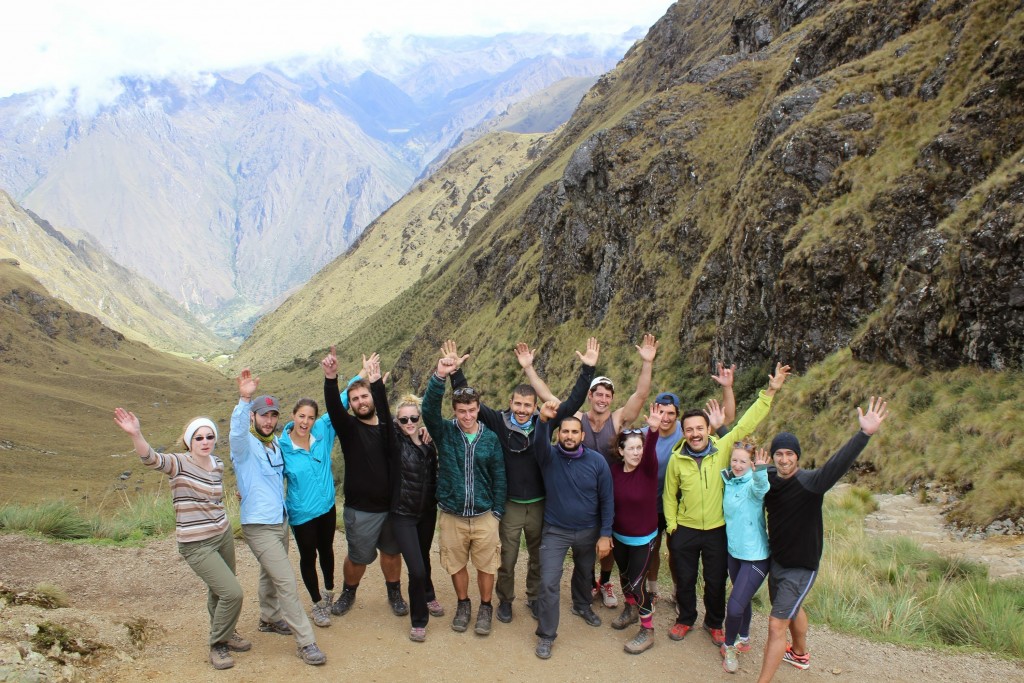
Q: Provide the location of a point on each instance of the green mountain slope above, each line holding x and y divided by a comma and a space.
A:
75, 269
832, 184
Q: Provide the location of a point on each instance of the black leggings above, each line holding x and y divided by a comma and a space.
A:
633, 561
313, 537
414, 536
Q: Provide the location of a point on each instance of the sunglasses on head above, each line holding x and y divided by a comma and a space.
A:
632, 431
469, 392
411, 418
211, 437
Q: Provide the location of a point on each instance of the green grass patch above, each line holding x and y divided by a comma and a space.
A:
890, 589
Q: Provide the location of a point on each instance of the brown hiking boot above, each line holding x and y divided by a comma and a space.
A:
220, 657
642, 641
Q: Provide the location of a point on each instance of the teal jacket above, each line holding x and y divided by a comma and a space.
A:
470, 474
743, 505
308, 473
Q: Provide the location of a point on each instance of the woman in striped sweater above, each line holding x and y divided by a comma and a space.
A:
202, 529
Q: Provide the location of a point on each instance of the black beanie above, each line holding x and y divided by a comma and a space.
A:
786, 440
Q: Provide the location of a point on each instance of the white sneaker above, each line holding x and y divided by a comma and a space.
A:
608, 595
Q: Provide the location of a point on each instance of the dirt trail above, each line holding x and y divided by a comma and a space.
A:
108, 586
905, 515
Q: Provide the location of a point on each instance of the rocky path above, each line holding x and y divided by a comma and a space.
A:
905, 515
109, 587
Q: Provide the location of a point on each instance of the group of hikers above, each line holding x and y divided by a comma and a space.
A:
546, 470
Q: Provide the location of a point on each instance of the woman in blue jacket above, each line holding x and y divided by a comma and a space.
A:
306, 443
746, 483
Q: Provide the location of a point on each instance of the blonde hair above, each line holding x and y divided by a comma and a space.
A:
409, 401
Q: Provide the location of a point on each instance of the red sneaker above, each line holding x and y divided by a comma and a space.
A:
717, 635
679, 631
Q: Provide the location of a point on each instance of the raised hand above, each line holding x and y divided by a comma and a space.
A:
371, 368
524, 354
450, 350
877, 412
715, 413
549, 409
330, 365
654, 419
726, 375
127, 421
761, 457
648, 348
247, 384
590, 356
776, 381
446, 366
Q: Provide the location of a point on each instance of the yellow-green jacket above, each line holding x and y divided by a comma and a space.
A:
700, 505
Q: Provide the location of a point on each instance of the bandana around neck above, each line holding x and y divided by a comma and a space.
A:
265, 439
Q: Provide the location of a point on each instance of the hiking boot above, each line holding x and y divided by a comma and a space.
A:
742, 643
344, 603
322, 614
280, 627
311, 654
587, 615
729, 661
642, 641
435, 609
608, 596
629, 615
399, 607
679, 631
534, 606
483, 620
717, 635
417, 634
463, 610
799, 661
238, 644
504, 612
543, 649
220, 657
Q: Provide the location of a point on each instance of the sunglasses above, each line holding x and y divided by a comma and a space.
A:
625, 432
468, 392
412, 418
211, 437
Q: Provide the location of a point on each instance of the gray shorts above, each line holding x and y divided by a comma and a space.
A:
368, 532
787, 588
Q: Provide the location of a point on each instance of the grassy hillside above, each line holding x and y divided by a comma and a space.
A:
834, 184
410, 239
74, 268
63, 373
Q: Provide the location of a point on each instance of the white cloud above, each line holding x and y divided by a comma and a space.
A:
85, 45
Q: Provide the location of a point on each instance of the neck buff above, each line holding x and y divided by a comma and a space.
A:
264, 439
571, 454
701, 454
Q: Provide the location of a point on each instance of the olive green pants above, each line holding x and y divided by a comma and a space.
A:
214, 561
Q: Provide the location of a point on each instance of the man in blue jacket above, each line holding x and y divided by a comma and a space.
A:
259, 471
578, 515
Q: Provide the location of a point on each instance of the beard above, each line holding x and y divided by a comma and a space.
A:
366, 412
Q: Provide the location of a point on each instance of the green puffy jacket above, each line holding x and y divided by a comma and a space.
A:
702, 488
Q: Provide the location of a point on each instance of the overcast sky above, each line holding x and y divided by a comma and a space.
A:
86, 44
